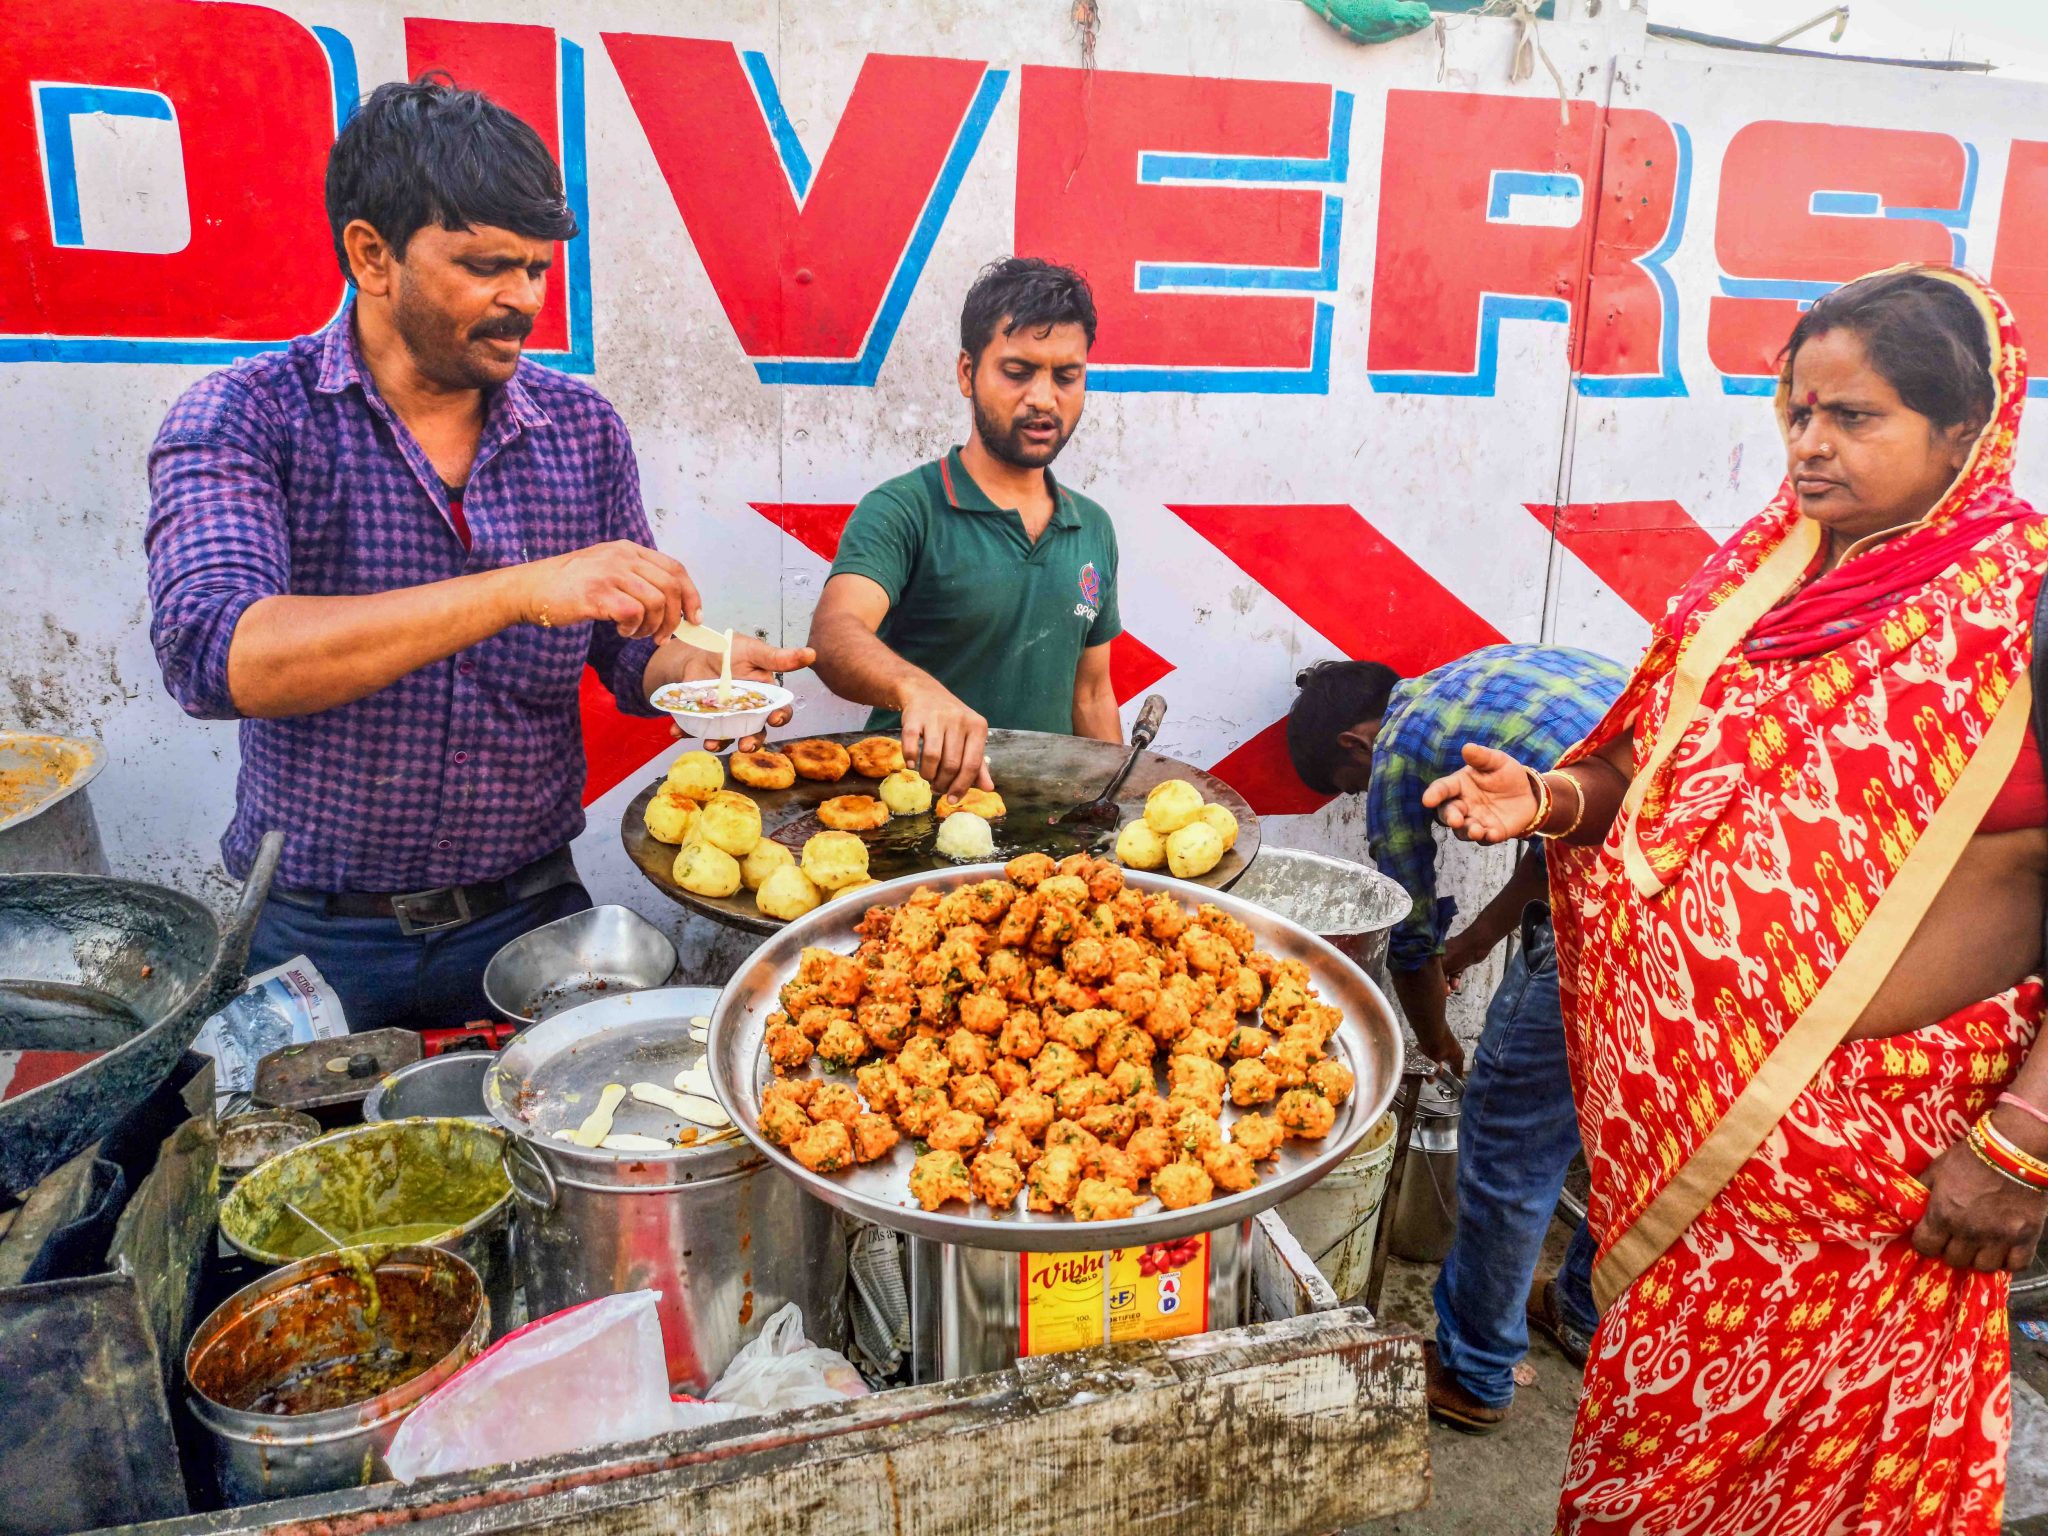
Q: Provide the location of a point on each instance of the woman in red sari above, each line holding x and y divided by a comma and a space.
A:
1798, 896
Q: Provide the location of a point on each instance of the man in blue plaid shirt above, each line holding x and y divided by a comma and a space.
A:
1359, 728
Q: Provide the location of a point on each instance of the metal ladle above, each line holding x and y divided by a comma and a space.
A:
1102, 809
325, 1235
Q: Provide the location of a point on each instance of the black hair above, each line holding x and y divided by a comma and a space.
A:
1924, 336
1024, 293
1335, 696
431, 153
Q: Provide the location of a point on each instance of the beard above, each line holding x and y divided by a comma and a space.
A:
1008, 443
445, 355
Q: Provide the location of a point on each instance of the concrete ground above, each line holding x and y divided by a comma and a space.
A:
1505, 1484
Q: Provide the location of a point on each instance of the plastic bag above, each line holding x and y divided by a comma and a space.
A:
783, 1369
289, 1004
590, 1375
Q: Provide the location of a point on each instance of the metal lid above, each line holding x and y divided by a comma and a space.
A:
550, 1077
320, 1073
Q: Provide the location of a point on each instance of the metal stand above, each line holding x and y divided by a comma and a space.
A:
1406, 1101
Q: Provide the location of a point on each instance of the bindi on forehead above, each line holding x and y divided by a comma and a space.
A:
1813, 397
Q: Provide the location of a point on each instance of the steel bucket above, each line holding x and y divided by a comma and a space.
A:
725, 1238
294, 1339
1352, 907
402, 1174
1426, 1210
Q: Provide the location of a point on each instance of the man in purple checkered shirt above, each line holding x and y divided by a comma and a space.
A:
390, 550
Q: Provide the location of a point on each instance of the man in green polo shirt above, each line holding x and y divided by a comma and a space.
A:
976, 591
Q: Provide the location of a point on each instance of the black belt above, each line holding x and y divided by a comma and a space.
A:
446, 906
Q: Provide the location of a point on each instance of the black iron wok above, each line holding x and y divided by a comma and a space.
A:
119, 967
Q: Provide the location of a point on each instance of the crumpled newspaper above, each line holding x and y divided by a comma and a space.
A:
289, 1004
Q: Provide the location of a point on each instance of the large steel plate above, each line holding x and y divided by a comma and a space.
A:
1037, 773
1368, 1043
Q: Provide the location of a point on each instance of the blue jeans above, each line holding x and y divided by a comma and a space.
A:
428, 981
1516, 1138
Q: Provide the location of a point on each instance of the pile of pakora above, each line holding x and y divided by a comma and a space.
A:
1055, 1035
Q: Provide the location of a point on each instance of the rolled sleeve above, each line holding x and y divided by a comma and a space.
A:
1398, 832
622, 664
216, 540
881, 543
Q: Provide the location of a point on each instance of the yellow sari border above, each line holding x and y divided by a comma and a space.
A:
1834, 1010
1711, 645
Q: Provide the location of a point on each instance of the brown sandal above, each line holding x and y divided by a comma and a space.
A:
1547, 1318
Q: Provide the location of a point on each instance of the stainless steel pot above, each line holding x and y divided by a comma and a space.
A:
46, 820
723, 1236
441, 1087
1351, 906
265, 1367
1426, 1210
397, 1174
598, 952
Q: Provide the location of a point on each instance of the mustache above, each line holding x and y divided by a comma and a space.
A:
510, 328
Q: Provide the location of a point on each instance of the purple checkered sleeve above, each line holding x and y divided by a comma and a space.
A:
288, 473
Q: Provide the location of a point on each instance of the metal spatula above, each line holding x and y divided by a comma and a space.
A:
1102, 811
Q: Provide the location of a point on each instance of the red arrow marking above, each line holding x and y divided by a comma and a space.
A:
1340, 575
1645, 550
615, 745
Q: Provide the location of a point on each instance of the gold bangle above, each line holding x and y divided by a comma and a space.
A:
1543, 804
1578, 795
2033, 1167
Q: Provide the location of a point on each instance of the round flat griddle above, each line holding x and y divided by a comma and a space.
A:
1368, 1042
1038, 774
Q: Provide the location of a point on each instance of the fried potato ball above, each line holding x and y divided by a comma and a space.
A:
1100, 1200
706, 870
1252, 1082
1259, 1135
1054, 1178
1230, 1168
873, 1137
1138, 846
670, 815
1180, 1185
876, 757
906, 792
788, 1047
782, 1122
997, 1179
1332, 1079
847, 890
731, 823
1219, 820
697, 775
824, 1148
1193, 851
826, 762
956, 1131
835, 859
985, 803
787, 893
938, 1177
763, 770
1305, 1113
966, 838
1172, 805
762, 860
854, 813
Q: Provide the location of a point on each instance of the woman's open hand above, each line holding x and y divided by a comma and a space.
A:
1489, 800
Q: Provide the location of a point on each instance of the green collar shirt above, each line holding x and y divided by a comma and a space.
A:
997, 618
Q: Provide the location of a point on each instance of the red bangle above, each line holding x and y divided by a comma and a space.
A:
2003, 1157
2034, 1111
